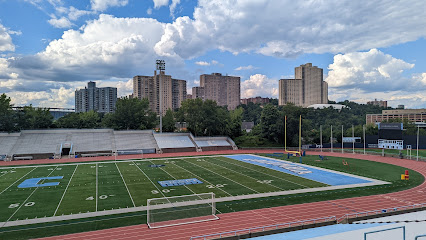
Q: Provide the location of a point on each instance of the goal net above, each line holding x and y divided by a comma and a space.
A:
128, 154
178, 210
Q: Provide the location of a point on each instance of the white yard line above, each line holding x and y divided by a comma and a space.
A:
262, 172
134, 205
63, 195
222, 176
26, 200
4, 174
96, 198
17, 180
176, 179
245, 175
150, 180
203, 179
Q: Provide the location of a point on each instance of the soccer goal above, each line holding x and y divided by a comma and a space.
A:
128, 154
178, 210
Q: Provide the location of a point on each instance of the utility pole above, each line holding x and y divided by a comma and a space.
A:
161, 66
353, 140
418, 131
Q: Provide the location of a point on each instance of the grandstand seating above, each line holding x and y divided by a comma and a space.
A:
135, 140
92, 140
175, 142
213, 143
7, 141
35, 144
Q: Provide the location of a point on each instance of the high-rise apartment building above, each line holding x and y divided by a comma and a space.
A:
96, 99
225, 90
306, 89
198, 92
173, 91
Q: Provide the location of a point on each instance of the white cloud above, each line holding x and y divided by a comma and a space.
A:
74, 13
259, 85
5, 40
304, 27
102, 5
160, 3
423, 79
173, 7
371, 71
364, 76
202, 63
249, 67
149, 11
62, 22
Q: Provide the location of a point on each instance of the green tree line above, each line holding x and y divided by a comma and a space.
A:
206, 118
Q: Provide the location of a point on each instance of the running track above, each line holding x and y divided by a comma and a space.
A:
266, 216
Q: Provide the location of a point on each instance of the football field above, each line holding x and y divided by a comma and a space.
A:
33, 192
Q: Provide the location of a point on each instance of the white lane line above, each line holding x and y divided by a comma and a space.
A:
63, 195
222, 176
134, 205
17, 180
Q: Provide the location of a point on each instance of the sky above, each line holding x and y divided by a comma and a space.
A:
368, 49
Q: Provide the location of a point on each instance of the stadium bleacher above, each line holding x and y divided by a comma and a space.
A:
213, 143
175, 142
7, 141
60, 143
132, 140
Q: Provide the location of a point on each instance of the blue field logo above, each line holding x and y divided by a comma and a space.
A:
35, 182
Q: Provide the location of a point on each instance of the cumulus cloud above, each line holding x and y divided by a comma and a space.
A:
102, 5
304, 27
160, 3
249, 67
371, 71
259, 85
60, 23
5, 40
364, 76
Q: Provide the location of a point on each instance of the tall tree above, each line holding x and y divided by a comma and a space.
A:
6, 114
169, 121
34, 118
131, 113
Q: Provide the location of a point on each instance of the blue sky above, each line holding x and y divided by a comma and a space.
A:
49, 48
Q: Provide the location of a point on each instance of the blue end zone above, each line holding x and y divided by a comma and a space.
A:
179, 182
34, 182
301, 170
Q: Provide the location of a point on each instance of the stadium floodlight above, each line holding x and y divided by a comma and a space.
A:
178, 210
161, 66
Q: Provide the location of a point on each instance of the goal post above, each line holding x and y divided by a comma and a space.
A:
178, 210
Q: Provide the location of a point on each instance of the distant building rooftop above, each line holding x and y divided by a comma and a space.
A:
320, 106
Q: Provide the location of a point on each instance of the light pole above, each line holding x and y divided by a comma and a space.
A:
363, 131
161, 66
321, 137
418, 130
331, 138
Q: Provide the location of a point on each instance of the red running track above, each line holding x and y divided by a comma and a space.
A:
275, 215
